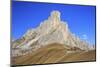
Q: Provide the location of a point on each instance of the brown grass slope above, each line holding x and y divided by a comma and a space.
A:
54, 53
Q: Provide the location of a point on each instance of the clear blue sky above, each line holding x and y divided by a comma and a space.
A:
26, 15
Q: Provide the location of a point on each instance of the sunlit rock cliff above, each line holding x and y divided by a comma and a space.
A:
51, 30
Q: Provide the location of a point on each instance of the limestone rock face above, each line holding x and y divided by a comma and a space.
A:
52, 30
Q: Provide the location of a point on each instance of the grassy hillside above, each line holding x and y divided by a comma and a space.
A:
54, 53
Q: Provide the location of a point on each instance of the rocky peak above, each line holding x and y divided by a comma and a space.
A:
55, 17
52, 30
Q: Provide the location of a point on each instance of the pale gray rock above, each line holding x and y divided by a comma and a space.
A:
52, 30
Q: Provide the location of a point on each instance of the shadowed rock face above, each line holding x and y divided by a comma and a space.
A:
52, 30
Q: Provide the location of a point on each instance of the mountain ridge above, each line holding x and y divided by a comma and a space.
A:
52, 30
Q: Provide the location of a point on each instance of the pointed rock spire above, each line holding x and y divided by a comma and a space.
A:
55, 15
55, 18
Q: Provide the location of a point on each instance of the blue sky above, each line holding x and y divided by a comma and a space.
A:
26, 15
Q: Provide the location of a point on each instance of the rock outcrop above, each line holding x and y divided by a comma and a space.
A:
52, 30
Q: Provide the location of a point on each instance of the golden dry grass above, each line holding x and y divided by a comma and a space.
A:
54, 53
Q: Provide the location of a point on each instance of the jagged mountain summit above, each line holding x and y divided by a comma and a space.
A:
52, 30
